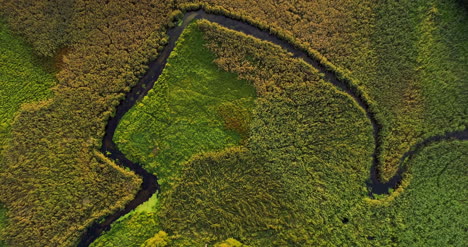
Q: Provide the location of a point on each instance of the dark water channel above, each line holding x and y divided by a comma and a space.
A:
150, 184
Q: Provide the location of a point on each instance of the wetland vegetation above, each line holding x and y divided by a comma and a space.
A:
251, 145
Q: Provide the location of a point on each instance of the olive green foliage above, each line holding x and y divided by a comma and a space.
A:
304, 165
253, 194
294, 184
160, 239
315, 193
53, 181
22, 79
421, 72
3, 222
407, 58
233, 194
44, 24
230, 242
431, 211
194, 107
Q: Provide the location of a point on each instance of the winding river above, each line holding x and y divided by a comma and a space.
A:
150, 184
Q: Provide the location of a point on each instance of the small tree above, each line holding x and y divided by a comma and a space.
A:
230, 242
160, 239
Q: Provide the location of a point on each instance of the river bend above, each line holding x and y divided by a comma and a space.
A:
150, 184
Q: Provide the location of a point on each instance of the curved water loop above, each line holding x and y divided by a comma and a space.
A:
150, 185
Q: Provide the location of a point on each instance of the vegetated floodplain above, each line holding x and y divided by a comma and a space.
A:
408, 57
303, 167
194, 107
434, 206
23, 79
304, 163
375, 42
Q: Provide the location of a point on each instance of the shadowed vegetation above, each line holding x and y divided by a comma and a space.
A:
433, 210
3, 222
23, 79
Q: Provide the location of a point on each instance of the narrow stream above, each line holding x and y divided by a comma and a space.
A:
150, 184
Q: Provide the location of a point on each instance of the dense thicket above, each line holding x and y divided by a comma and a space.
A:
52, 182
432, 209
23, 79
44, 24
406, 57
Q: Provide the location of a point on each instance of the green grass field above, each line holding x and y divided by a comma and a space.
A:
23, 79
